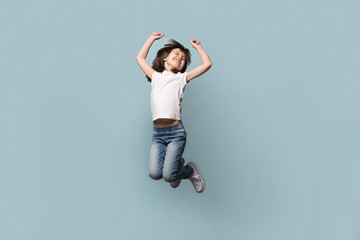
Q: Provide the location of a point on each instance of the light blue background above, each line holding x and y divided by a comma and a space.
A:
273, 126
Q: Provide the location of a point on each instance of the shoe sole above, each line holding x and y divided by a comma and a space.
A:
201, 179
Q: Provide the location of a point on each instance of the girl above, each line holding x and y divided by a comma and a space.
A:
168, 80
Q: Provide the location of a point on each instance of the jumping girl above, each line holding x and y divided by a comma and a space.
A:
168, 80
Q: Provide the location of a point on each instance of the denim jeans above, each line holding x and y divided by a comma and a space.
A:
168, 144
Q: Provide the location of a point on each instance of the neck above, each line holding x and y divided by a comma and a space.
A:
172, 70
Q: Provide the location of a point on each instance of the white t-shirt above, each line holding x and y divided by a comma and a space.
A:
166, 94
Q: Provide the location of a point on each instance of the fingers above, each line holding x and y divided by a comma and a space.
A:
195, 43
157, 35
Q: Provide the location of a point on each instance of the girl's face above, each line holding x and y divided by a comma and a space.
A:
175, 60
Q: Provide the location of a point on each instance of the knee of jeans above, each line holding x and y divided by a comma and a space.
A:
169, 177
155, 175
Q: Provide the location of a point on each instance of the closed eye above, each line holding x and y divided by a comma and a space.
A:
182, 57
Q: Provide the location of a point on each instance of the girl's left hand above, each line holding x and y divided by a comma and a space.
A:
195, 44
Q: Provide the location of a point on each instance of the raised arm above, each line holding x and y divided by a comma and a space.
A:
141, 57
206, 62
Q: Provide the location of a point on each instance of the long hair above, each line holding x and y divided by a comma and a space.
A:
158, 63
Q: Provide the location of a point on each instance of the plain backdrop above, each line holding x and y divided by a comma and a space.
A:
273, 126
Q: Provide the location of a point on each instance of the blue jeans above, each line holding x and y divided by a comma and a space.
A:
168, 144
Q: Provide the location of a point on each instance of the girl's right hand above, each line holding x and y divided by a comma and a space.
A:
156, 35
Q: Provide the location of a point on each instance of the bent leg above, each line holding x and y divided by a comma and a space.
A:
156, 163
172, 165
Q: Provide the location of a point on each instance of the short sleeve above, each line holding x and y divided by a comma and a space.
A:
155, 76
184, 79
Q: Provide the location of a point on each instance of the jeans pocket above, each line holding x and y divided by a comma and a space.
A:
180, 135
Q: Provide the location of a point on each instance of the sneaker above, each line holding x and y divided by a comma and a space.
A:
196, 179
176, 183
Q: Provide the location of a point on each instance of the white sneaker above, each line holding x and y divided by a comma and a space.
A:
196, 179
176, 183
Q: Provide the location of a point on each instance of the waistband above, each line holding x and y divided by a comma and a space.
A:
169, 129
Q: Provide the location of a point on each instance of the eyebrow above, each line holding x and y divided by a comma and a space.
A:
183, 54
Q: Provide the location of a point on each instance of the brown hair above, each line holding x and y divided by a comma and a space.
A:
158, 63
